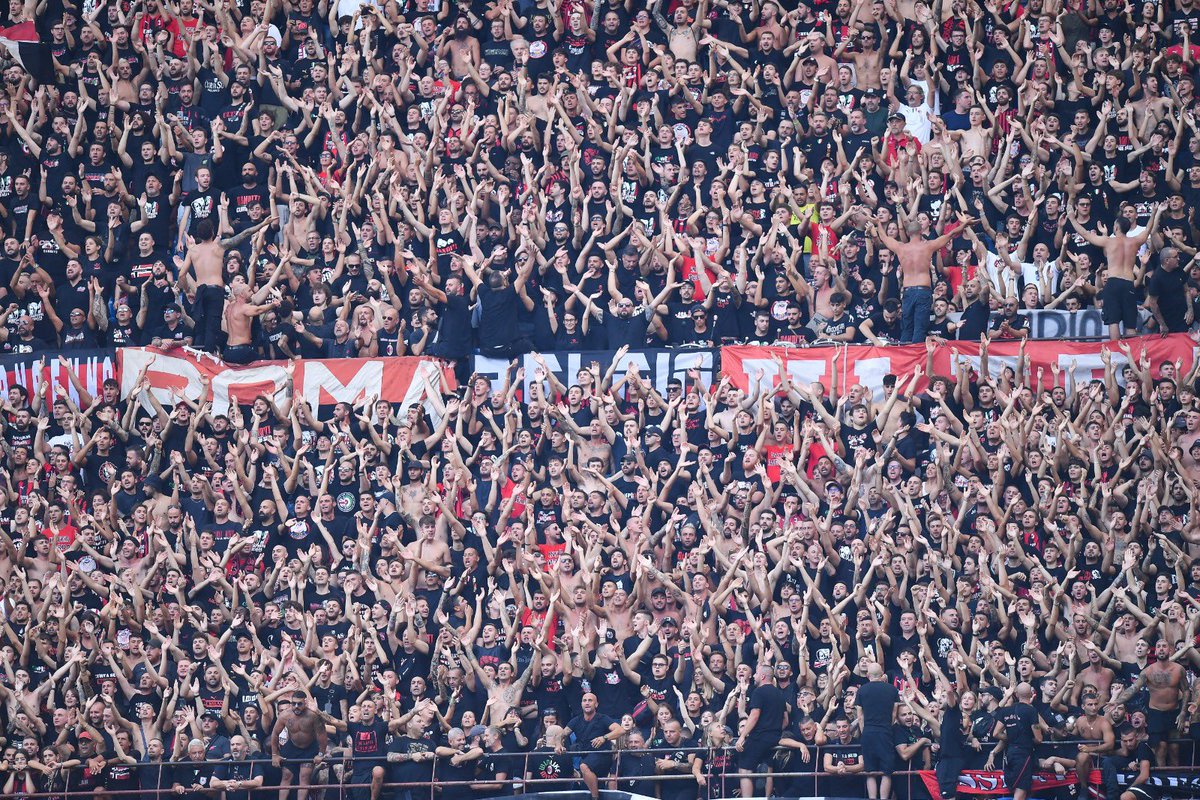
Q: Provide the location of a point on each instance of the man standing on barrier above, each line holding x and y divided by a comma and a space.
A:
368, 748
306, 743
594, 733
1019, 731
878, 699
764, 725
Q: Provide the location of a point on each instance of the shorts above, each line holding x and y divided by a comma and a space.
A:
755, 752
600, 763
1018, 771
298, 756
1160, 725
1120, 303
1144, 792
879, 751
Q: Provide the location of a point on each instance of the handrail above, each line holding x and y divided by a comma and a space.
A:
729, 773
338, 758
514, 781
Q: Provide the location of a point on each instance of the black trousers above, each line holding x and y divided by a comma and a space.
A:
208, 311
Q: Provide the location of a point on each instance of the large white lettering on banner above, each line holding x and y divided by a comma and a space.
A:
92, 367
655, 366
321, 382
754, 368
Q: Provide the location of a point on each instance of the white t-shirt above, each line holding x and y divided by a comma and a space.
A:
917, 121
1001, 276
1029, 271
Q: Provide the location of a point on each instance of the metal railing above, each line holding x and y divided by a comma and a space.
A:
904, 781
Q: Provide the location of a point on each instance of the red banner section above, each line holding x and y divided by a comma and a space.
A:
32, 372
748, 367
985, 783
321, 382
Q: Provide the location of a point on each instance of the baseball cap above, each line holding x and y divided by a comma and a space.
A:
669, 621
895, 115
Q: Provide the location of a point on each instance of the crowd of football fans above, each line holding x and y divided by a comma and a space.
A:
524, 585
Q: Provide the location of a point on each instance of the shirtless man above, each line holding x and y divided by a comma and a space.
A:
826, 66
1164, 679
975, 141
157, 502
505, 691
1093, 727
596, 447
1120, 255
867, 61
239, 316
1125, 637
307, 741
1096, 677
620, 616
682, 38
306, 212
206, 259
896, 401
461, 50
916, 258
1190, 435
427, 551
410, 489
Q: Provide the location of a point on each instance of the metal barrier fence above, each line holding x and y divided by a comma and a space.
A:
906, 783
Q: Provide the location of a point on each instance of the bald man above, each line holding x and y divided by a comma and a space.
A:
594, 733
764, 726
878, 699
1018, 732
243, 775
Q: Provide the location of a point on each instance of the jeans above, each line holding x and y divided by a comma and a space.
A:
916, 305
208, 311
239, 354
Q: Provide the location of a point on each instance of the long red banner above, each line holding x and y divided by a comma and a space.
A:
321, 382
988, 783
748, 366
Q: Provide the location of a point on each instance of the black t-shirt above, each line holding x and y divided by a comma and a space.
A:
771, 704
877, 699
189, 773
410, 771
368, 739
587, 729
492, 766
241, 771
953, 738
547, 765
847, 755
498, 323
1018, 723
329, 699
1167, 287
